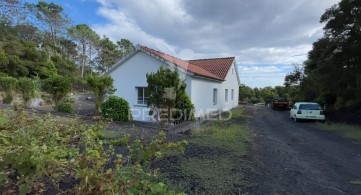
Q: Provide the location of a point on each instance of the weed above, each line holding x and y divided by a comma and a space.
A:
232, 137
40, 151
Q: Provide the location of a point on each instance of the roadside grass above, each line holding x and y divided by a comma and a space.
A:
239, 112
223, 135
348, 131
356, 182
217, 166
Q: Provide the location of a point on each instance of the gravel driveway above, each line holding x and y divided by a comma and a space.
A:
298, 158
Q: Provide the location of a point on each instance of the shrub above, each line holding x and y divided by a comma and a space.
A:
58, 87
27, 88
8, 84
116, 108
185, 108
64, 107
101, 86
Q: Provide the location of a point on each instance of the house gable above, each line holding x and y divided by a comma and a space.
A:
201, 76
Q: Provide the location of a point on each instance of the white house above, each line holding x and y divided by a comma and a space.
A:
212, 84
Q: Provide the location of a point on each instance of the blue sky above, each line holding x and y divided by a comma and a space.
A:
266, 37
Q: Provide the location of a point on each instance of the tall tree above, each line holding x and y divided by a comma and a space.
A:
54, 21
126, 46
86, 37
108, 54
334, 63
11, 11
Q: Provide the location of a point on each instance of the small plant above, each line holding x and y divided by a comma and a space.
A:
8, 84
116, 108
64, 107
58, 87
27, 87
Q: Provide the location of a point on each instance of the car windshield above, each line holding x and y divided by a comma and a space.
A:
310, 107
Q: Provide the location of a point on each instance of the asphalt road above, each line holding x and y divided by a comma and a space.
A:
298, 158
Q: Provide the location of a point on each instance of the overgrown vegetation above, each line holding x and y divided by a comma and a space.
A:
37, 153
8, 84
349, 131
116, 108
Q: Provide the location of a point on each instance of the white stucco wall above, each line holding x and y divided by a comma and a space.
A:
202, 93
132, 74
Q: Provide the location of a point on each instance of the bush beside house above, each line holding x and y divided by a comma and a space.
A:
116, 108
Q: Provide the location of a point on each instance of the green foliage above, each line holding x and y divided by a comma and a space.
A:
126, 46
101, 86
40, 152
185, 108
144, 154
222, 136
52, 18
268, 93
165, 88
116, 108
87, 39
245, 92
108, 55
27, 87
332, 73
8, 84
58, 87
64, 107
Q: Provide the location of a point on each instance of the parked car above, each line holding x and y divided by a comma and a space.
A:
307, 111
280, 103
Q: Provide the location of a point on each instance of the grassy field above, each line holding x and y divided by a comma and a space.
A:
213, 162
348, 131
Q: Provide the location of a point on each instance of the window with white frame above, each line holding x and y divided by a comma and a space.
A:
226, 95
142, 95
232, 94
214, 96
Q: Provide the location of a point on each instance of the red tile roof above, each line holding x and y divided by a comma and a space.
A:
216, 68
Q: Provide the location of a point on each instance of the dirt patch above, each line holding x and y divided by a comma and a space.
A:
210, 165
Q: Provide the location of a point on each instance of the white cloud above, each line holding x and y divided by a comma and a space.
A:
256, 32
258, 69
274, 55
